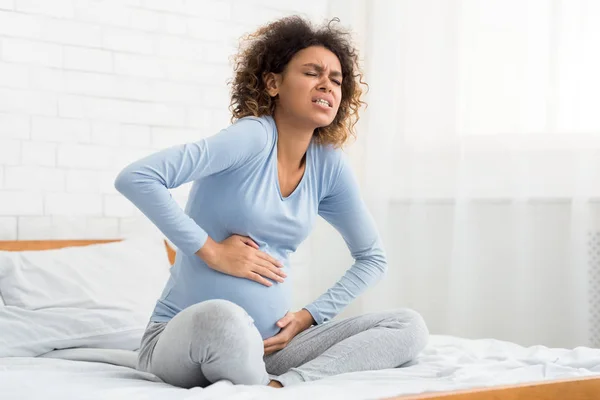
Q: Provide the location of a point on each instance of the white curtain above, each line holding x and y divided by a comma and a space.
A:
480, 160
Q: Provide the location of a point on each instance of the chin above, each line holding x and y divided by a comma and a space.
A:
320, 121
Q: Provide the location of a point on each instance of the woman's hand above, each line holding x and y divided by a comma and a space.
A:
291, 324
240, 256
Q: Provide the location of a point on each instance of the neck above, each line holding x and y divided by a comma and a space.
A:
293, 140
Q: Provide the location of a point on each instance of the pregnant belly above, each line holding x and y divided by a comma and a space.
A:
266, 305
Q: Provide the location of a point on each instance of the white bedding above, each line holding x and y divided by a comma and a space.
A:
448, 363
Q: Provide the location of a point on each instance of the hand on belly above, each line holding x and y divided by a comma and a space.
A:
291, 324
240, 256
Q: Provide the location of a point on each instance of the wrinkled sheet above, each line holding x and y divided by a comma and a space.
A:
448, 363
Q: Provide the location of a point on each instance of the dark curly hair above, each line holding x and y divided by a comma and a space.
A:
271, 47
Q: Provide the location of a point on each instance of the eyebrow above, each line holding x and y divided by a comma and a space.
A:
320, 68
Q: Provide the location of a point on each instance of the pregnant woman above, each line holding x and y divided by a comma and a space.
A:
258, 186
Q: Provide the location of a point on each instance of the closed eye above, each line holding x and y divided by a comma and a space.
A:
313, 74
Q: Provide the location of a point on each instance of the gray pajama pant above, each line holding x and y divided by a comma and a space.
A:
217, 339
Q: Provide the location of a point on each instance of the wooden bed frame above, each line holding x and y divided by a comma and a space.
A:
20, 245
564, 389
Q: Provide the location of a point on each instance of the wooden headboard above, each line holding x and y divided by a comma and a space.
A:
19, 245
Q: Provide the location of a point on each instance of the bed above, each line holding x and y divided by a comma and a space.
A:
450, 368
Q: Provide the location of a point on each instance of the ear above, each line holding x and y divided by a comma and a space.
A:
272, 81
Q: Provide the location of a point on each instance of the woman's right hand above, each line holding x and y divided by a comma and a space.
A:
240, 256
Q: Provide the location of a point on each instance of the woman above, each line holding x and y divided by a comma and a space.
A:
258, 186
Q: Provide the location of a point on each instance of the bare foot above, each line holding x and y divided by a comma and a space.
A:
275, 384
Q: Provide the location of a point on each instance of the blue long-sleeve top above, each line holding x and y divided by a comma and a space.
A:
236, 190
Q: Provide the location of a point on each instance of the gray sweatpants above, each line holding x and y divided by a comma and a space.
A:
217, 339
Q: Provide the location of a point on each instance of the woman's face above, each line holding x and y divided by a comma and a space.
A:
310, 87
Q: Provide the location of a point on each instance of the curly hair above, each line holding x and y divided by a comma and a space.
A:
270, 48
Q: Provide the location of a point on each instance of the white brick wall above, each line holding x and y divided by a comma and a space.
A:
87, 86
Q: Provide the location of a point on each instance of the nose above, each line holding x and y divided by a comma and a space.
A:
325, 85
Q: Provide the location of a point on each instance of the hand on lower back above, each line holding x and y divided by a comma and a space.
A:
240, 256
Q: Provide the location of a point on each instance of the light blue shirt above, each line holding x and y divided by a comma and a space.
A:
236, 190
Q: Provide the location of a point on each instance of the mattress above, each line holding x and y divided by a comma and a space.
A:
447, 363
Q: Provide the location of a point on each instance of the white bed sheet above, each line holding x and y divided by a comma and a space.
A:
448, 363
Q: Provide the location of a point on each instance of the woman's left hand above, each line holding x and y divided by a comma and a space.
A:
291, 325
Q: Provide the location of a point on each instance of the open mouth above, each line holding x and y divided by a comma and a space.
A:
322, 103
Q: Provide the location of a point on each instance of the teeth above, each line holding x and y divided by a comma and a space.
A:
325, 102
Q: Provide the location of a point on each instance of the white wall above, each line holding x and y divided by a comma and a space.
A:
87, 86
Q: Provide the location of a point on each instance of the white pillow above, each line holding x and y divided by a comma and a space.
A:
27, 333
105, 289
